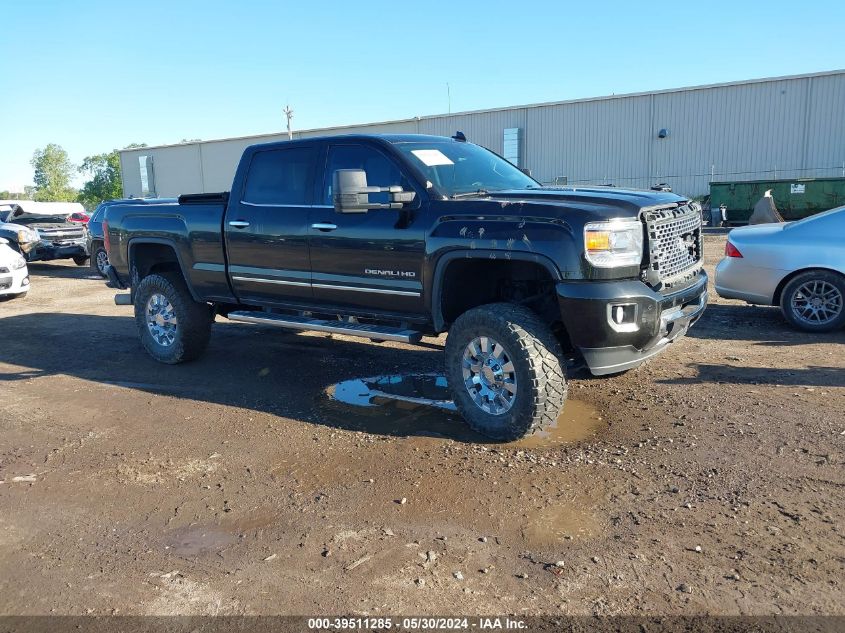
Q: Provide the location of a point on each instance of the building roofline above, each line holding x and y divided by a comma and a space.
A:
543, 104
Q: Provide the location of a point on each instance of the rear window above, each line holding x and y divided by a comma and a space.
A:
282, 176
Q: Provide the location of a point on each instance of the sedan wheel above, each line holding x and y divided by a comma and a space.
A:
815, 301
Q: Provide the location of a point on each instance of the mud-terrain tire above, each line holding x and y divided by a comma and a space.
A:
537, 373
172, 326
814, 301
80, 260
99, 259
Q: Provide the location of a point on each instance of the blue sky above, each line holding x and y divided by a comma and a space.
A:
96, 75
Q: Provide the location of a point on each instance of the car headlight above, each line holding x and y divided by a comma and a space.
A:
26, 235
614, 243
27, 239
18, 263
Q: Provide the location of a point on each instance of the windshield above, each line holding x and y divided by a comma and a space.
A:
41, 219
459, 168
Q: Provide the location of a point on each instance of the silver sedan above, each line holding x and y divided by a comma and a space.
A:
799, 266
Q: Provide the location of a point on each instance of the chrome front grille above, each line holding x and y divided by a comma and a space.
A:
674, 243
61, 235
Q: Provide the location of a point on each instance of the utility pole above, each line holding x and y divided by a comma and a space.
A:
449, 97
289, 115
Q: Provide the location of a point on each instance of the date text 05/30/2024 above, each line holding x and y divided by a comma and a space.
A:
415, 624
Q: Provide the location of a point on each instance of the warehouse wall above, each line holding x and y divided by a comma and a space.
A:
210, 165
776, 128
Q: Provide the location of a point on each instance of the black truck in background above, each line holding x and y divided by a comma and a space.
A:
396, 237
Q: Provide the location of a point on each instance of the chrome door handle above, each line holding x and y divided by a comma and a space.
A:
239, 224
324, 226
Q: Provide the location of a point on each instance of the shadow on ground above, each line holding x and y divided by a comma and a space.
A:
262, 369
758, 324
62, 271
799, 377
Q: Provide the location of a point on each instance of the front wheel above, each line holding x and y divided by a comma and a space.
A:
173, 327
80, 260
505, 370
814, 301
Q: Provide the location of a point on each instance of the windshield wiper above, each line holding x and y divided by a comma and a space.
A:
469, 194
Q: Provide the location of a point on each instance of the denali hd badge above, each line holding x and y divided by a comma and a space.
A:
389, 273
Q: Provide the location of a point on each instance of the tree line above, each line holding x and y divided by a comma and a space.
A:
54, 172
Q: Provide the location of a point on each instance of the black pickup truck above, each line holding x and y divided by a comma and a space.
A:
396, 237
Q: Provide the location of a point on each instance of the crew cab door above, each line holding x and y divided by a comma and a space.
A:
266, 226
371, 260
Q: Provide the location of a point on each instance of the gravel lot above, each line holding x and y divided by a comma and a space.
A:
710, 480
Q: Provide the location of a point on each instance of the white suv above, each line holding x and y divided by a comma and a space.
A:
14, 276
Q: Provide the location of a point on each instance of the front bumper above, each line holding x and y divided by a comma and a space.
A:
15, 282
46, 251
587, 310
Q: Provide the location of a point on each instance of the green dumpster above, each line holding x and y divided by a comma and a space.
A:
795, 199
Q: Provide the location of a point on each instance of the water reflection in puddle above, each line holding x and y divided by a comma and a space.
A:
426, 389
421, 404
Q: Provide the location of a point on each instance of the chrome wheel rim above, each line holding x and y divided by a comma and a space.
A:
817, 302
161, 320
102, 261
489, 375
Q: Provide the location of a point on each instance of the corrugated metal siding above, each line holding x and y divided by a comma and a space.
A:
738, 132
784, 128
591, 142
825, 149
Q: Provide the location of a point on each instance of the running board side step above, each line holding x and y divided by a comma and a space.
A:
377, 332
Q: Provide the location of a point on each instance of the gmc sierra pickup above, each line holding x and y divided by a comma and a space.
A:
396, 237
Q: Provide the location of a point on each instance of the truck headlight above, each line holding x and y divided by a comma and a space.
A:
614, 243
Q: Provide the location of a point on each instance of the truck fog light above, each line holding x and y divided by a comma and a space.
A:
623, 316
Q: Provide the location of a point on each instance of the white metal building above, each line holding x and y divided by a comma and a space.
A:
783, 127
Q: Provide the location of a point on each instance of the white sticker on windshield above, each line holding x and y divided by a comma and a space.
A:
432, 157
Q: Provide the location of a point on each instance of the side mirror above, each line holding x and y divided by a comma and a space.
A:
351, 194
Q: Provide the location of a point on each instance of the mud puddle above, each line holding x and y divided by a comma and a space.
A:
556, 524
195, 540
421, 405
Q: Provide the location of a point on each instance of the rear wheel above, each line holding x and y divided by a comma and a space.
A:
814, 301
505, 371
99, 261
173, 327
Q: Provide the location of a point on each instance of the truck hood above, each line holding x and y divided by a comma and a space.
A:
607, 202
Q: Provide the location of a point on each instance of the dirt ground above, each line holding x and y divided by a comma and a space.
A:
710, 480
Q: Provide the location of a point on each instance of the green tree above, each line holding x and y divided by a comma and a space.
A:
53, 171
13, 195
104, 181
